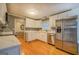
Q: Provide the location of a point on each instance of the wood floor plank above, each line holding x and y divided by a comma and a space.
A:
38, 47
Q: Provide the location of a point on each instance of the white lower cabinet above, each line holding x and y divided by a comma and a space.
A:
33, 35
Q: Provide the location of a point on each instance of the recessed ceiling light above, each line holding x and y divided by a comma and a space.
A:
32, 12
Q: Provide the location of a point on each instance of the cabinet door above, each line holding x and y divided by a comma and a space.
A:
52, 21
37, 24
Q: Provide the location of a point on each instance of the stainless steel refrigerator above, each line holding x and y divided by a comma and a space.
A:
66, 34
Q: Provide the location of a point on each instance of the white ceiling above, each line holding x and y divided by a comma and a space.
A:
39, 10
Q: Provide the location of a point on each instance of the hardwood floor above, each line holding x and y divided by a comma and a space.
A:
38, 47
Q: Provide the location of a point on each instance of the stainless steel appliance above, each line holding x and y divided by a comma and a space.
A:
58, 40
66, 34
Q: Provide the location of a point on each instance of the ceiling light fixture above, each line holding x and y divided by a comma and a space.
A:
32, 12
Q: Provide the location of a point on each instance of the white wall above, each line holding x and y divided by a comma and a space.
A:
18, 23
2, 12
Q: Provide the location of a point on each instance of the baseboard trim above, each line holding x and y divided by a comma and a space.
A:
51, 44
61, 49
66, 51
37, 40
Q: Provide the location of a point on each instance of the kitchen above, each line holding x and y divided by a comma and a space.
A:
39, 25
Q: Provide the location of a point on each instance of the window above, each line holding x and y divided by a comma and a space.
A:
45, 25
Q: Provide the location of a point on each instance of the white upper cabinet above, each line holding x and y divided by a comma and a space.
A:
30, 23
37, 23
62, 15
52, 19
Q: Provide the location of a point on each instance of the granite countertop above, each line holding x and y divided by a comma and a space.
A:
8, 41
